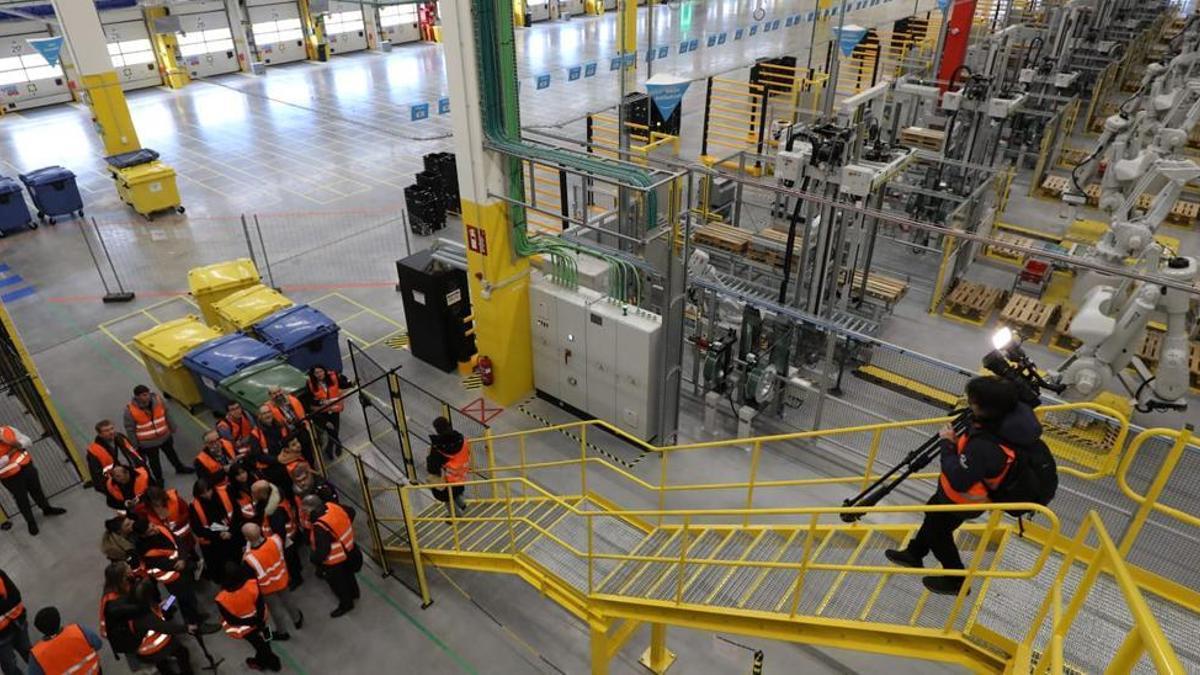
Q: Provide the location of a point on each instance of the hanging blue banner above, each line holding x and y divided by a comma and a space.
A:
663, 51
419, 111
543, 81
589, 69
49, 48
737, 34
666, 91
849, 37
444, 105
721, 39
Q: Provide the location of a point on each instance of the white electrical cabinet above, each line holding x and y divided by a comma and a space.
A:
596, 356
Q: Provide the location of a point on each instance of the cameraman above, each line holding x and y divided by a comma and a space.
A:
972, 463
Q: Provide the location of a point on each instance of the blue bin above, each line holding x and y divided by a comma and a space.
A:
305, 335
14, 215
214, 361
54, 192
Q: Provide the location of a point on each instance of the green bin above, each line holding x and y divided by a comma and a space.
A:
250, 386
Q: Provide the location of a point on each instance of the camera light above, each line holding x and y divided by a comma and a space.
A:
1002, 338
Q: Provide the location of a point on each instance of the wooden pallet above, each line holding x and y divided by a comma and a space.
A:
770, 245
1006, 254
1194, 365
1093, 194
1054, 186
1029, 315
1150, 348
920, 137
1184, 212
879, 286
972, 302
1060, 339
724, 237
1069, 158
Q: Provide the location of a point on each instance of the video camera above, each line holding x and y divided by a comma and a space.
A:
1007, 360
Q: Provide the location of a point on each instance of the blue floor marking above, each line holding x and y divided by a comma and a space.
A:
11, 281
18, 294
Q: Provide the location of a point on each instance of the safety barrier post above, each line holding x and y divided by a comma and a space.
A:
414, 547
591, 560
806, 555
521, 454
755, 457
599, 645
401, 424
512, 533
372, 518
583, 486
657, 658
683, 551
450, 503
1064, 569
662, 484
976, 558
1128, 654
314, 443
491, 459
1156, 488
872, 452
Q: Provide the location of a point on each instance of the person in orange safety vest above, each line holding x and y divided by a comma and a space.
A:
264, 559
148, 423
325, 387
244, 615
972, 463
108, 449
449, 461
126, 489
20, 477
14, 627
213, 460
333, 549
64, 650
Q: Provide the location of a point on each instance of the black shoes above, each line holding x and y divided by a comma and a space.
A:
944, 585
300, 621
341, 610
33, 527
53, 511
281, 637
903, 558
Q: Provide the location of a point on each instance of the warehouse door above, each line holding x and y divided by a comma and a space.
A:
26, 79
344, 27
400, 23
278, 36
206, 43
130, 49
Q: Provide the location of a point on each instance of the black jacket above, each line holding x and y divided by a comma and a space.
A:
119, 449
323, 540
441, 448
982, 457
119, 616
10, 600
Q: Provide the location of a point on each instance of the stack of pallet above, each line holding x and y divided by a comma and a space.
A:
1184, 212
887, 289
1054, 186
1028, 315
1061, 340
723, 237
920, 137
770, 245
1006, 254
972, 302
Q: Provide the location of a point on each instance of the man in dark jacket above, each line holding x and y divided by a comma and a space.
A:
14, 627
108, 449
448, 460
972, 464
164, 562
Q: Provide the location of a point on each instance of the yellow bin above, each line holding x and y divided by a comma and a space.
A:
244, 308
163, 348
212, 283
148, 188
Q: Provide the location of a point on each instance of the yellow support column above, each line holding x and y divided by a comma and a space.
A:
165, 47
519, 12
314, 33
627, 41
599, 644
500, 300
657, 658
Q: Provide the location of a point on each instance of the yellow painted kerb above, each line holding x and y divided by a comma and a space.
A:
500, 301
110, 113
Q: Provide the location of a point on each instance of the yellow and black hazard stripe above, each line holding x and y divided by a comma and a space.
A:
472, 382
575, 437
398, 341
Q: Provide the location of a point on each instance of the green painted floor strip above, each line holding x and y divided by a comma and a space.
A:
462, 663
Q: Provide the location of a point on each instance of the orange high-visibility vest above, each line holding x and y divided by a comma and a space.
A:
290, 529
329, 390
978, 492
169, 575
280, 418
211, 464
152, 425
67, 653
153, 641
18, 457
268, 564
337, 523
202, 515
458, 465
242, 603
13, 614
177, 519
104, 600
106, 459
238, 430
141, 483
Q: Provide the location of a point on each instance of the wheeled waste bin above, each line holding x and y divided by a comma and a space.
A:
54, 193
242, 309
305, 335
162, 349
214, 361
211, 283
145, 183
14, 214
250, 386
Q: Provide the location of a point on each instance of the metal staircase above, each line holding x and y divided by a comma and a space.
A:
801, 574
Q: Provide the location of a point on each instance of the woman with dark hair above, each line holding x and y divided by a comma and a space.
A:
159, 640
325, 388
216, 523
241, 477
973, 463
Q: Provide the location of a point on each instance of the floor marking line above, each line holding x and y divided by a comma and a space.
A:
449, 651
575, 437
13, 296
11, 281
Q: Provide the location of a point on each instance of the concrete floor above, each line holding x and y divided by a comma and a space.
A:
320, 152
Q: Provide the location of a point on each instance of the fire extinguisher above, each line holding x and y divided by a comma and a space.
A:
484, 368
